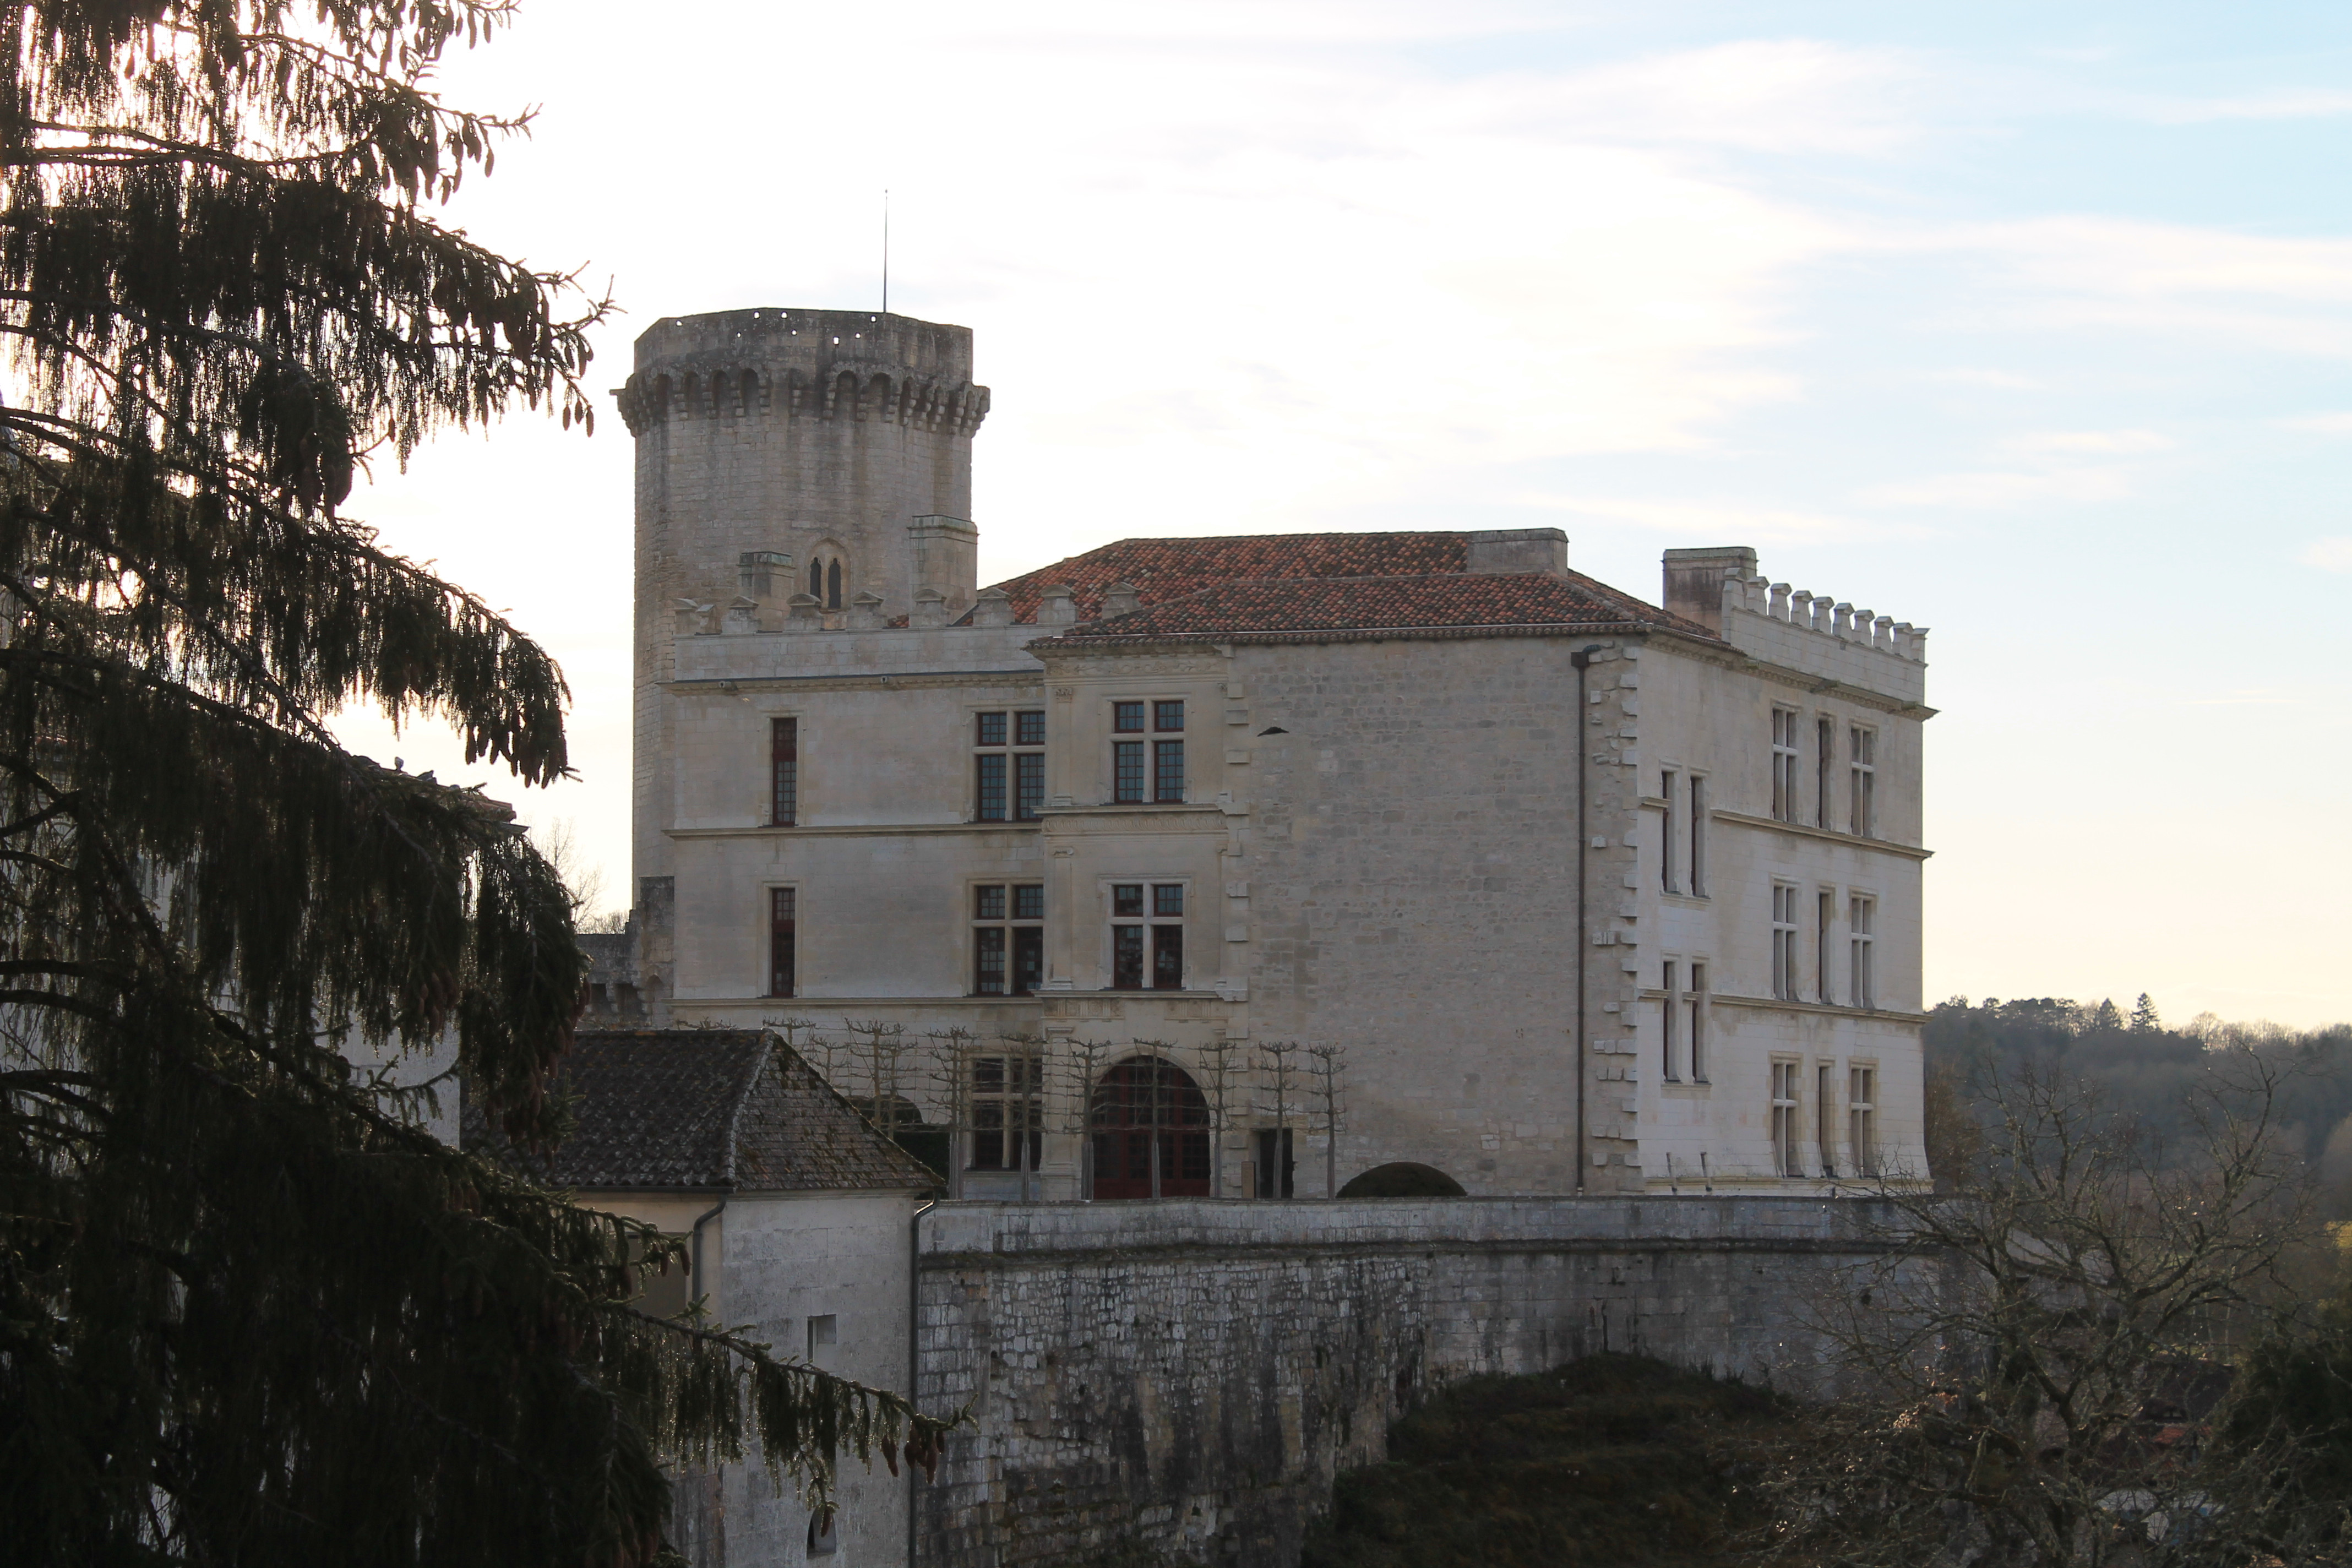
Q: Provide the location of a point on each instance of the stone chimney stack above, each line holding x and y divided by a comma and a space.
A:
766, 438
1518, 549
1694, 585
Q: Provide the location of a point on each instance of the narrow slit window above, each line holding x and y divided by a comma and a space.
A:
1668, 783
785, 773
1694, 1014
783, 934
1862, 1120
1785, 1108
1784, 941
1824, 771
1823, 904
1784, 765
1697, 836
1666, 1012
1862, 810
1862, 919
1821, 1121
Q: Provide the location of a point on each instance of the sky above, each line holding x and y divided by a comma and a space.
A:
2028, 323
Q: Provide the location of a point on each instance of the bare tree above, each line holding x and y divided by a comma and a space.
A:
946, 1068
1279, 1099
1024, 1103
1085, 1060
1217, 1069
1325, 1064
582, 877
2033, 1366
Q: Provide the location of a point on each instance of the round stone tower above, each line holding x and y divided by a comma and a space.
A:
821, 453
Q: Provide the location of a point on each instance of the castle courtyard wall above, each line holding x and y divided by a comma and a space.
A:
1185, 1378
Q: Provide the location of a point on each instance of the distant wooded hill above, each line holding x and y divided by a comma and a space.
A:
2147, 1074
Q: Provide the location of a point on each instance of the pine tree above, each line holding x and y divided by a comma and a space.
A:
2143, 1020
250, 1312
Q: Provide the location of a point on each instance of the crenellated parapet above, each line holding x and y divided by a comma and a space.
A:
1822, 636
841, 389
852, 367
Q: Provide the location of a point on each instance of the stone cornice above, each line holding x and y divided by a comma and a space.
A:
1776, 1005
1827, 835
867, 830
704, 686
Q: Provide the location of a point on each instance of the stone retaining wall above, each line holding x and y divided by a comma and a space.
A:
1178, 1381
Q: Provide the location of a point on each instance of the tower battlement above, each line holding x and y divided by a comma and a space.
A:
824, 365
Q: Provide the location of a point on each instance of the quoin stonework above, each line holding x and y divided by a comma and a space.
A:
1260, 869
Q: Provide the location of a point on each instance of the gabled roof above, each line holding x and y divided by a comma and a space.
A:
1171, 568
705, 1110
1318, 608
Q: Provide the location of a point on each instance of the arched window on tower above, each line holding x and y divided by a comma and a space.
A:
1150, 1124
816, 580
833, 586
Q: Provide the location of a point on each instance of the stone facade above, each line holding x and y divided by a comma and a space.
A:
1185, 1378
1611, 911
1497, 862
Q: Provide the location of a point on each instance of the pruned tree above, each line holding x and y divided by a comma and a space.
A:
1327, 1064
2036, 1368
249, 1311
1218, 1069
1278, 1099
1083, 1063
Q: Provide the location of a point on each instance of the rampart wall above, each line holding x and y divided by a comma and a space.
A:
1178, 1381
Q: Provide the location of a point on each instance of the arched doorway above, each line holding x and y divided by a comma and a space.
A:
1144, 1107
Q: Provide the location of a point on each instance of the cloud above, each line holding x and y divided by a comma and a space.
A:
1998, 490
2333, 554
2325, 424
1716, 521
2103, 441
1787, 95
2259, 293
2286, 104
1965, 376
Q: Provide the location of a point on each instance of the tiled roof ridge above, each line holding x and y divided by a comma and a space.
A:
1612, 607
1188, 561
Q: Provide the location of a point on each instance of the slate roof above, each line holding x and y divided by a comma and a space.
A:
1170, 568
705, 1110
1280, 609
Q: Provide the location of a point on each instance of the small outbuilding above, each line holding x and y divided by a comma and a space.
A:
799, 1219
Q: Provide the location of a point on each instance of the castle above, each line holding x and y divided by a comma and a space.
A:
1575, 893
1277, 878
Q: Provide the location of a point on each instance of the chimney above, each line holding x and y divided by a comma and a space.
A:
1695, 581
1122, 599
1057, 605
1518, 549
930, 608
758, 571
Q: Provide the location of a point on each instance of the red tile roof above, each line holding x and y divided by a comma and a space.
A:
1452, 605
1171, 568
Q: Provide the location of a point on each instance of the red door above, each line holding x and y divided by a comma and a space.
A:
1141, 1105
